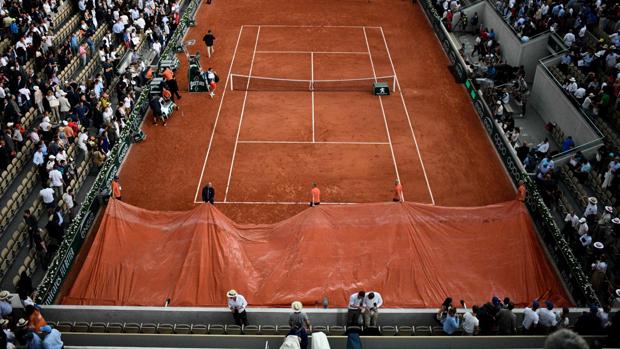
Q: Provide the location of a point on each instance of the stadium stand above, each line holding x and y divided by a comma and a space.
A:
586, 72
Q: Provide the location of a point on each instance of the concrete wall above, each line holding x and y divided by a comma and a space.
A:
553, 106
256, 316
127, 340
531, 52
514, 51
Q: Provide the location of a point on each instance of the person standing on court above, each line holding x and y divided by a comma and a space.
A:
209, 38
398, 191
170, 82
212, 80
208, 194
237, 305
116, 189
315, 195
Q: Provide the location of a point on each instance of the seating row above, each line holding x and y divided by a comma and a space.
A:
8, 212
266, 330
20, 159
32, 261
19, 237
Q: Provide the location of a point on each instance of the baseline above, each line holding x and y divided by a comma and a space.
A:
309, 26
317, 52
313, 142
281, 203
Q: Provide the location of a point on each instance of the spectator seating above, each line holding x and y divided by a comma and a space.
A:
225, 329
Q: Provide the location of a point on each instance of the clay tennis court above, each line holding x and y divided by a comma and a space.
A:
283, 118
263, 146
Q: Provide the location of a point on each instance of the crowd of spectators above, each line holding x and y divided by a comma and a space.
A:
87, 115
497, 318
529, 18
589, 72
31, 330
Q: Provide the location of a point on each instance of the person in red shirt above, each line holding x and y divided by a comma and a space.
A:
116, 189
167, 74
398, 191
521, 191
315, 195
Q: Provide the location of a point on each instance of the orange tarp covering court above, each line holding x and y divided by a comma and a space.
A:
414, 254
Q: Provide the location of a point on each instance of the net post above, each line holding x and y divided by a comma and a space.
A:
394, 84
230, 77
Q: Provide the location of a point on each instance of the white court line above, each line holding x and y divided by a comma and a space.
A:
313, 142
387, 129
312, 90
402, 98
318, 52
308, 26
217, 116
245, 97
305, 203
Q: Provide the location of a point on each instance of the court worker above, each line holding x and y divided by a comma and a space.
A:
209, 39
398, 191
208, 194
315, 195
237, 305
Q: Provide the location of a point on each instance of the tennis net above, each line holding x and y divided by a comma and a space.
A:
260, 83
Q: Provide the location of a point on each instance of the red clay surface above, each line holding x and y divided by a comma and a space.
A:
163, 173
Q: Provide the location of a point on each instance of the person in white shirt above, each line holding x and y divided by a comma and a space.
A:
543, 147
530, 317
592, 208
569, 38
356, 304
546, 316
82, 138
580, 93
470, 320
372, 303
56, 181
67, 198
583, 227
571, 86
606, 216
46, 125
237, 305
587, 102
37, 158
586, 240
572, 219
47, 194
